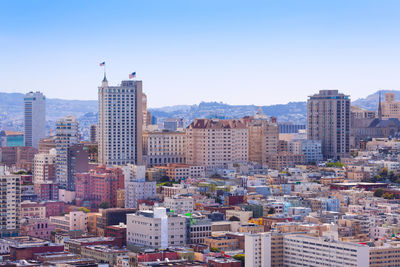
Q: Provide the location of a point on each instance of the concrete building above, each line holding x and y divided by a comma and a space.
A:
178, 172
46, 144
136, 186
20, 157
317, 251
179, 204
328, 119
31, 209
67, 135
263, 137
34, 118
44, 167
73, 221
311, 149
258, 250
214, 143
163, 147
120, 123
37, 227
10, 208
156, 229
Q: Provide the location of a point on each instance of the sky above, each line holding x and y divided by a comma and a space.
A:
188, 51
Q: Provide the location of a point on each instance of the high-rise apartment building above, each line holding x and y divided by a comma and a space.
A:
164, 147
328, 119
120, 123
258, 250
44, 167
214, 143
263, 137
35, 118
10, 208
67, 134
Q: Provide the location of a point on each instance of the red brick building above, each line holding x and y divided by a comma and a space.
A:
46, 190
54, 208
118, 232
99, 185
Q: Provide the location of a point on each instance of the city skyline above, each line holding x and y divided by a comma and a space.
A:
277, 52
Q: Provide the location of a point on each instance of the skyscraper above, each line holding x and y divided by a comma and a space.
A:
35, 118
328, 119
120, 123
67, 134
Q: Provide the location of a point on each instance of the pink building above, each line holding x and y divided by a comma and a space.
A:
37, 227
99, 185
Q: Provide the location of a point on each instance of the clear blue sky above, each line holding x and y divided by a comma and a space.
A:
238, 52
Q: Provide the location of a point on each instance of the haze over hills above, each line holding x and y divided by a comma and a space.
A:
12, 106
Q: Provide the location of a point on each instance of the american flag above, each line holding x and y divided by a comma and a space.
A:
132, 75
102, 64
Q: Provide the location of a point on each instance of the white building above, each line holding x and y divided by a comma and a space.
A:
258, 250
156, 229
303, 250
44, 166
73, 221
120, 123
34, 118
10, 209
136, 187
179, 204
67, 134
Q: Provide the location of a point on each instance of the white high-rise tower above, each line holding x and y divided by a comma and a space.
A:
35, 118
120, 123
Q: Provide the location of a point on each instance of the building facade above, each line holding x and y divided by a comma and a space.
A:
34, 118
163, 147
67, 135
214, 143
120, 123
328, 119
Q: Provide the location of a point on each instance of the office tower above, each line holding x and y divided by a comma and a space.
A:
263, 137
35, 118
120, 123
10, 208
289, 127
93, 134
67, 134
145, 112
163, 147
214, 143
328, 119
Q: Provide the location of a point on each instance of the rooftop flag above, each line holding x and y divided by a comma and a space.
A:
102, 64
132, 75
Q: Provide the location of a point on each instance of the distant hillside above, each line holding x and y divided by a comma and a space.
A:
371, 101
293, 111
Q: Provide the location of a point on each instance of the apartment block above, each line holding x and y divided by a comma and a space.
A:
214, 143
156, 229
164, 147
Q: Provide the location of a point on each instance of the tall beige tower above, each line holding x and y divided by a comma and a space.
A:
120, 123
328, 120
263, 137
